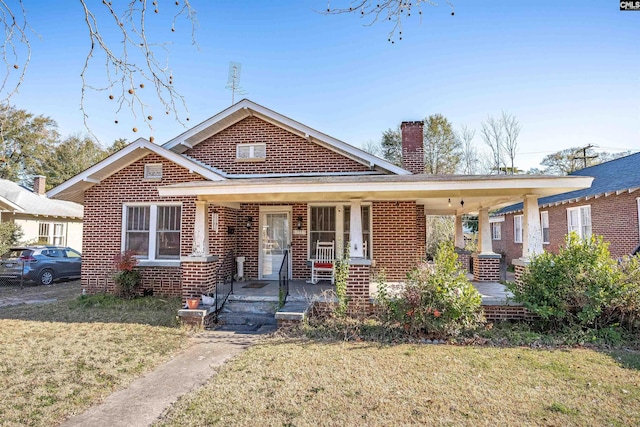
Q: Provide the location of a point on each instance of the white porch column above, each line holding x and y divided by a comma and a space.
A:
459, 236
200, 228
485, 245
531, 230
355, 230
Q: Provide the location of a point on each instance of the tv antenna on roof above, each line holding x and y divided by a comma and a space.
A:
233, 82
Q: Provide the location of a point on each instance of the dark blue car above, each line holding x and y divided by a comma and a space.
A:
40, 264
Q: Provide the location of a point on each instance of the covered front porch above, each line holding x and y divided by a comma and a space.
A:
379, 222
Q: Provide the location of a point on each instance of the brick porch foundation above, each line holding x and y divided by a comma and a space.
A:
486, 268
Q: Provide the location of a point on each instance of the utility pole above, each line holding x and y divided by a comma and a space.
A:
584, 156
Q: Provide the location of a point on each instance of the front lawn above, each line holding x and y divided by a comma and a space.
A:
308, 383
58, 359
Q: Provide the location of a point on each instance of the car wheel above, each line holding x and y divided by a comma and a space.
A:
46, 277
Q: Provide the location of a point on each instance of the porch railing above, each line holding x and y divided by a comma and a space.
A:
283, 279
225, 274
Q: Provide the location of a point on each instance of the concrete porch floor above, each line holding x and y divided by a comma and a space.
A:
492, 293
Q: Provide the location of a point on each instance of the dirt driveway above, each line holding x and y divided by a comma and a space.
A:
31, 294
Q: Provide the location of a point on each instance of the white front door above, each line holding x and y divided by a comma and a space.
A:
274, 241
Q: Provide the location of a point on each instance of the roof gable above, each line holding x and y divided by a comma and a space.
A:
17, 199
247, 108
74, 188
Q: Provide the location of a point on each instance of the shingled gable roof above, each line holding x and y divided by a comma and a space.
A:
246, 108
18, 199
612, 177
74, 188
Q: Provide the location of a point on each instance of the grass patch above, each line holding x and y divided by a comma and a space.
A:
60, 358
308, 383
154, 311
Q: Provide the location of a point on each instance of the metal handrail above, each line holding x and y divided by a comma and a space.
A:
283, 279
225, 274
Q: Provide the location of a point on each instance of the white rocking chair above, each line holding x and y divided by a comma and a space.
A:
323, 266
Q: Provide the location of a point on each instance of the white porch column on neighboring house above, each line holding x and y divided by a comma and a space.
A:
200, 228
355, 230
485, 244
531, 231
459, 236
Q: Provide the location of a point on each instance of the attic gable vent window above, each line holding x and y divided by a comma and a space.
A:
153, 171
251, 152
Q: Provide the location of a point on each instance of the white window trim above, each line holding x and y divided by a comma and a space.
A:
146, 172
638, 202
580, 224
339, 225
496, 226
153, 233
252, 151
515, 235
545, 214
51, 233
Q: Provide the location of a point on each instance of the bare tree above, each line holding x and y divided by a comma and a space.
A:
492, 135
394, 12
511, 128
131, 59
469, 152
372, 147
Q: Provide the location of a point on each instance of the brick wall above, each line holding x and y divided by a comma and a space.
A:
358, 289
198, 278
103, 224
495, 313
249, 245
286, 152
614, 217
486, 268
413, 146
395, 246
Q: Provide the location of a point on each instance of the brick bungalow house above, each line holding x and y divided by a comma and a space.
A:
42, 220
609, 208
255, 182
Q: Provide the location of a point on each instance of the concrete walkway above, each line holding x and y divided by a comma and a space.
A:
147, 397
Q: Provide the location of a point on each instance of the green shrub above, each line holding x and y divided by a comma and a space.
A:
10, 234
438, 299
625, 305
574, 287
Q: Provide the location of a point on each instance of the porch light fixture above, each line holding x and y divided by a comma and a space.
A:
299, 223
449, 202
462, 203
249, 222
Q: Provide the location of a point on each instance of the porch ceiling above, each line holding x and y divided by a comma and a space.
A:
432, 191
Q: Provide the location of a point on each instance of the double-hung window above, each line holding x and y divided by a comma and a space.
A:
366, 228
51, 233
544, 224
496, 230
152, 231
517, 229
579, 221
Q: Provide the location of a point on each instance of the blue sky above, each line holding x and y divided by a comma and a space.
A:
569, 71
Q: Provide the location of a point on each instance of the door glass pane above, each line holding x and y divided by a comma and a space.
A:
275, 240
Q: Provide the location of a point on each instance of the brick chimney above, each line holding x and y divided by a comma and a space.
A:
412, 146
39, 184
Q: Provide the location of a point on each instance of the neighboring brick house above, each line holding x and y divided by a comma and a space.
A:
42, 220
255, 182
609, 208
